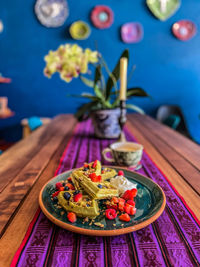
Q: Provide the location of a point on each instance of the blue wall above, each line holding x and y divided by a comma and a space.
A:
166, 67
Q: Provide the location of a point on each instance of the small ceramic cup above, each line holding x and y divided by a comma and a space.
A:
124, 153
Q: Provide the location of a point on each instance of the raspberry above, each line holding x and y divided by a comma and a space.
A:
110, 214
125, 217
55, 194
115, 207
78, 197
120, 173
58, 185
71, 216
94, 164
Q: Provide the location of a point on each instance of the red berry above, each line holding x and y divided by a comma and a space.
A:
121, 200
132, 193
94, 164
125, 217
102, 172
69, 179
115, 200
62, 188
55, 194
70, 186
120, 173
85, 165
58, 185
126, 195
71, 216
127, 208
94, 177
132, 210
78, 197
110, 214
131, 202
121, 206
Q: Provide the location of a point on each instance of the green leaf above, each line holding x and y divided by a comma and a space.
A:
97, 76
135, 108
87, 81
136, 91
98, 92
116, 74
85, 110
85, 95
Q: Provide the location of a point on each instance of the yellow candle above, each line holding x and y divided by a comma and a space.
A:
123, 78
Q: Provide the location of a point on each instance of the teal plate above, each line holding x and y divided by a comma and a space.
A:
150, 203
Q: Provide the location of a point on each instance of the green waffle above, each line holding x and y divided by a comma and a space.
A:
87, 207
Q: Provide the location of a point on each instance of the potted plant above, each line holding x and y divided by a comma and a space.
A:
71, 61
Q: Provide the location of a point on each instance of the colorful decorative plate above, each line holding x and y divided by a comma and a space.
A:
132, 32
51, 13
163, 9
150, 203
102, 17
79, 30
184, 30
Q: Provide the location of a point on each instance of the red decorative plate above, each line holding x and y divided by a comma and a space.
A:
184, 30
102, 17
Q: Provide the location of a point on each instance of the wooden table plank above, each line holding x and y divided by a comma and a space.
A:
190, 173
181, 144
17, 228
16, 157
191, 197
12, 195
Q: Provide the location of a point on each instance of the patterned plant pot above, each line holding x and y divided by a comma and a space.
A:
106, 123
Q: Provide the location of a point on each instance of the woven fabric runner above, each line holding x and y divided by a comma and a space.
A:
172, 240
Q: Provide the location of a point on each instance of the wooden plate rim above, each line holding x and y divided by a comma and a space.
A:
113, 232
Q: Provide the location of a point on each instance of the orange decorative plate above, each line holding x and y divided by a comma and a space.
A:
150, 203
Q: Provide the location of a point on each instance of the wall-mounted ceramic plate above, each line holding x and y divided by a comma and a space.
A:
79, 30
132, 32
184, 30
150, 203
102, 17
163, 9
51, 13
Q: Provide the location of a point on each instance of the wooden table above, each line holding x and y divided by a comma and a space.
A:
26, 166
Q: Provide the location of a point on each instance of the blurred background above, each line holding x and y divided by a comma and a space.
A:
166, 67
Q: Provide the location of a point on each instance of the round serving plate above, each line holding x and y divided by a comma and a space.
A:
150, 203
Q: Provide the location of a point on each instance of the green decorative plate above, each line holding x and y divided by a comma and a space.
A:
163, 9
150, 203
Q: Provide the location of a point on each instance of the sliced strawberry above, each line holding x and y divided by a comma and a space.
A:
121, 206
55, 194
115, 207
94, 177
115, 200
94, 164
110, 214
120, 173
133, 193
58, 185
127, 208
121, 200
131, 202
62, 188
125, 217
126, 195
70, 186
132, 210
71, 216
78, 197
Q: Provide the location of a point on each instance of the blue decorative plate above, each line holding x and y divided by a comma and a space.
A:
51, 13
150, 203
